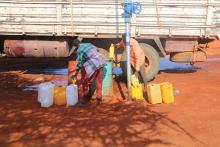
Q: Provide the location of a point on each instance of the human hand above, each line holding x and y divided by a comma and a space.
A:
74, 78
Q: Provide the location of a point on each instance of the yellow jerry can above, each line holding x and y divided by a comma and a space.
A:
167, 92
111, 51
60, 95
137, 92
154, 94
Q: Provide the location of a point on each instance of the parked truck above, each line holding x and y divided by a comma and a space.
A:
176, 29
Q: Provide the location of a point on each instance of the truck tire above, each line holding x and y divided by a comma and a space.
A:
152, 62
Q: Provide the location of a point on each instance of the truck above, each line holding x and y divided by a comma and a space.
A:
178, 30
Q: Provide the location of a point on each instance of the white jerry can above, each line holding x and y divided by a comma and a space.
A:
45, 94
72, 95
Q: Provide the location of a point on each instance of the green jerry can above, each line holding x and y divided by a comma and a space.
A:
107, 84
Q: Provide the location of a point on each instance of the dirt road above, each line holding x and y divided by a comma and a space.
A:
193, 120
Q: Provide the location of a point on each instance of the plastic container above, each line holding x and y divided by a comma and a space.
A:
137, 92
136, 88
60, 95
45, 94
71, 95
134, 81
154, 94
107, 88
117, 71
167, 92
111, 51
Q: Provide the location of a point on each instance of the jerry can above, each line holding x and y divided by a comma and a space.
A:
111, 51
137, 92
136, 88
107, 85
60, 95
72, 95
134, 80
167, 92
45, 94
154, 94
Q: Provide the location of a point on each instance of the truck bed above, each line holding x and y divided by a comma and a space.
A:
103, 18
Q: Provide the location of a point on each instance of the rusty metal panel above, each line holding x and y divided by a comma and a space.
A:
179, 45
13, 48
198, 56
36, 48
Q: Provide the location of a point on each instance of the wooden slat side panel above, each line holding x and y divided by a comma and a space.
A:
166, 17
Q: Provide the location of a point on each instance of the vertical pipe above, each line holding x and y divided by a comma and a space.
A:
127, 17
128, 49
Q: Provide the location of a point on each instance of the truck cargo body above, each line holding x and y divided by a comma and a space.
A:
103, 18
168, 28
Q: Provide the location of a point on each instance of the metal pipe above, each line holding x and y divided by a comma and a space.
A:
128, 55
127, 16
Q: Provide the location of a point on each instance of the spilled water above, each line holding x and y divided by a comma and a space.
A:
166, 65
55, 82
59, 71
31, 88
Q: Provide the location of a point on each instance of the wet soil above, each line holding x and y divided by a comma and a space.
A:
193, 120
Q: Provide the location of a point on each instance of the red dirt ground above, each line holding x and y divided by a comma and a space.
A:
193, 120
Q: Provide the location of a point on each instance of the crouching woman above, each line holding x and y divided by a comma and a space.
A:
91, 63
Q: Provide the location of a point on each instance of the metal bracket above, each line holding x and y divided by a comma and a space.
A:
160, 46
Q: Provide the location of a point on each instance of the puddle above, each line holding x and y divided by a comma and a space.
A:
60, 71
166, 65
31, 88
55, 82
